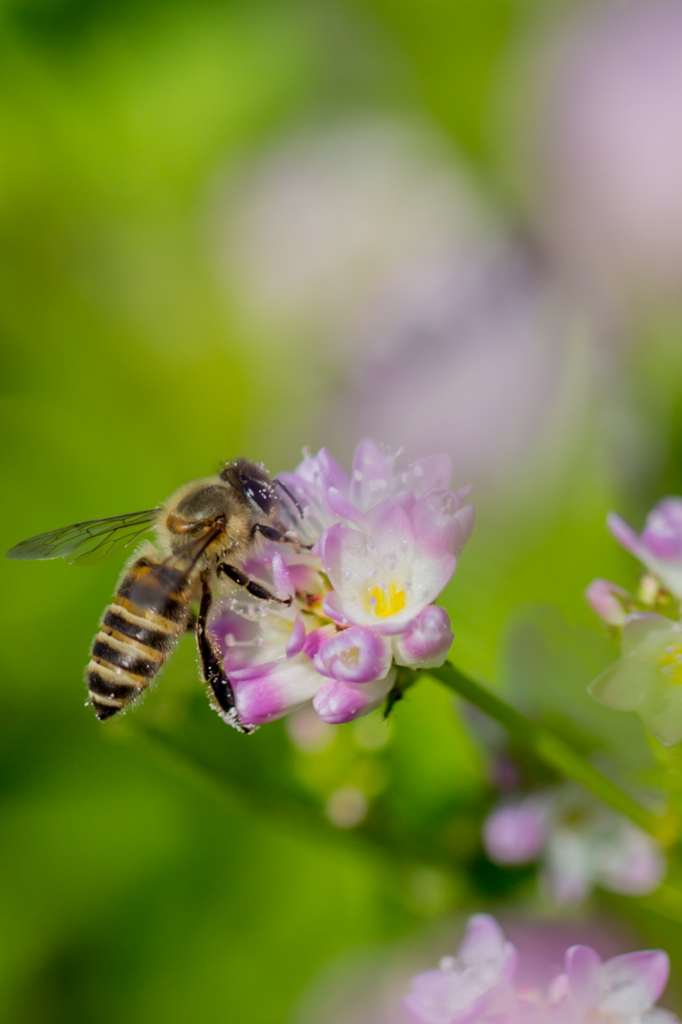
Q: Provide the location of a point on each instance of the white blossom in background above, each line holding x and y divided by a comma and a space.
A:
365, 250
317, 224
578, 841
609, 149
484, 344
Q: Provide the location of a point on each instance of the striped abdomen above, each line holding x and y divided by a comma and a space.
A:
134, 641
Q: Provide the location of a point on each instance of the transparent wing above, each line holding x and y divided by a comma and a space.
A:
154, 588
87, 543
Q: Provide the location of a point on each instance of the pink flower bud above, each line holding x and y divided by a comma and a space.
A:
606, 599
426, 641
515, 834
355, 655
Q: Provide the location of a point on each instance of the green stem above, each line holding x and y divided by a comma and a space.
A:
555, 752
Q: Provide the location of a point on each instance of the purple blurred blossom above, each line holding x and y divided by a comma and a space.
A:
474, 986
659, 546
370, 241
623, 990
321, 221
607, 600
579, 842
479, 342
515, 833
481, 985
610, 144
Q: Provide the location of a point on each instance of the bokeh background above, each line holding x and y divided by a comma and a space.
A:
242, 227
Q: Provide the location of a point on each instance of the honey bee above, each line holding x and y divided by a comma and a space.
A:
204, 533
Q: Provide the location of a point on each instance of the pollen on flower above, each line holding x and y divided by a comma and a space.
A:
671, 664
386, 600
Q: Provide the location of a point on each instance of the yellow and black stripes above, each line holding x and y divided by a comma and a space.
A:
133, 642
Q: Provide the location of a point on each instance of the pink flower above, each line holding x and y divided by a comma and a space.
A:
481, 985
390, 536
385, 575
659, 546
474, 986
621, 991
329, 495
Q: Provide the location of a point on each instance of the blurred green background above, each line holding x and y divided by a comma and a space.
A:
135, 885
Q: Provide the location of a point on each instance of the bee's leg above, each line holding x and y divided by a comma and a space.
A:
253, 588
271, 533
212, 667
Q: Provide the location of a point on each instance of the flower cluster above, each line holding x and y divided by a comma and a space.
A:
648, 675
375, 550
579, 841
480, 986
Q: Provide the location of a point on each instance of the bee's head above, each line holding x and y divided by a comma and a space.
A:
255, 483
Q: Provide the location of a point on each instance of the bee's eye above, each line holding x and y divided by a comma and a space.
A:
257, 485
260, 491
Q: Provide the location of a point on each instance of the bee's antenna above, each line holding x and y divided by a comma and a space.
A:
290, 495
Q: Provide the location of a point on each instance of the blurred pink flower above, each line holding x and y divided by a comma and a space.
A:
368, 244
611, 150
623, 990
477, 342
480, 985
659, 546
607, 600
474, 986
516, 833
580, 843
367, 987
322, 220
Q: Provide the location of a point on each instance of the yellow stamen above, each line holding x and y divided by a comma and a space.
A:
386, 600
670, 664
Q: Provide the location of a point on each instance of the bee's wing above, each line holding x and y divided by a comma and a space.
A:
87, 543
160, 584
